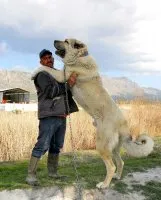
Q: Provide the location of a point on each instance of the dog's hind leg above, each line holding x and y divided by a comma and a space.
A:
119, 162
105, 143
110, 170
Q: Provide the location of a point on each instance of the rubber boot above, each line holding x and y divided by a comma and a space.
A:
31, 178
52, 165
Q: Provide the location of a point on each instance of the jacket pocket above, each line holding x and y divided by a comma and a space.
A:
56, 102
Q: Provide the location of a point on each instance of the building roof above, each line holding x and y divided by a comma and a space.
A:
14, 90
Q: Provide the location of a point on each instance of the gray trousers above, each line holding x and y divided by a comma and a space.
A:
51, 136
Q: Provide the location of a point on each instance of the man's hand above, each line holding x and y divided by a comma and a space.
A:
72, 79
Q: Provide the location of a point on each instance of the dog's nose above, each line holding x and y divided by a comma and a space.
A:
55, 41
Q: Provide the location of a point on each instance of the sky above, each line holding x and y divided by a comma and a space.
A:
123, 36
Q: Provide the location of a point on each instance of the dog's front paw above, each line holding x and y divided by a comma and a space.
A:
102, 185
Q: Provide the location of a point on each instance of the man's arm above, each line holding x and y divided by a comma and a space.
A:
46, 85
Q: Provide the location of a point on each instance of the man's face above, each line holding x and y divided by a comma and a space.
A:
47, 60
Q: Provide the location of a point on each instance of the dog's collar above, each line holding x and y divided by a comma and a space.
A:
84, 54
88, 78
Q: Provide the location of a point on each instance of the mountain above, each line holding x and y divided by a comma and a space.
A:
11, 79
122, 88
152, 93
18, 79
118, 88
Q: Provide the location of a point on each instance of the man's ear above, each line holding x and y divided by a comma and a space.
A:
40, 62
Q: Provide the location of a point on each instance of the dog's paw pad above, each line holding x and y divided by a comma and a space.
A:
101, 185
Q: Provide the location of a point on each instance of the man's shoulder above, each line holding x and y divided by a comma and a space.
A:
47, 72
43, 75
41, 70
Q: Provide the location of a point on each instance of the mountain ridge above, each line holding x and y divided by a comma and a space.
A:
118, 87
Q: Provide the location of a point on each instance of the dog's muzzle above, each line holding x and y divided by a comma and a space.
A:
60, 49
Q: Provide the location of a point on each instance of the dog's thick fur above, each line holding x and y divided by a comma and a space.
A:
112, 128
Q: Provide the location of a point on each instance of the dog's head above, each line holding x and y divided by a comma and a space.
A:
70, 48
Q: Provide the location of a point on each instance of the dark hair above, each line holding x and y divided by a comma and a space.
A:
44, 52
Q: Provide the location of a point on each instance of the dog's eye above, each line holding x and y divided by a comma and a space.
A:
67, 41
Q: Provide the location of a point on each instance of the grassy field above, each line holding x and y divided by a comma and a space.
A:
18, 132
91, 170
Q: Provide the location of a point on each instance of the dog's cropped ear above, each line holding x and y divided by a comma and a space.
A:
82, 48
78, 46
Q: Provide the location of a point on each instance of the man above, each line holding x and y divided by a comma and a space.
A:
52, 111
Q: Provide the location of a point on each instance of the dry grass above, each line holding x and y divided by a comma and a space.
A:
145, 117
18, 132
82, 133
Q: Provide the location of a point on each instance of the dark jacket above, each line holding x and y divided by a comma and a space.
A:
52, 96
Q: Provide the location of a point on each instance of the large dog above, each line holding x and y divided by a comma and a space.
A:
112, 128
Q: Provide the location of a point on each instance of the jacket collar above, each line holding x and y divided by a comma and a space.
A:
43, 68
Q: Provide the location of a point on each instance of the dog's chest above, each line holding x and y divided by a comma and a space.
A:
78, 93
79, 96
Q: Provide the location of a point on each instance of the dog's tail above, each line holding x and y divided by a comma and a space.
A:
141, 147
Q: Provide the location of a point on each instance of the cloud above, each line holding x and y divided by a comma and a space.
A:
43, 18
142, 46
121, 35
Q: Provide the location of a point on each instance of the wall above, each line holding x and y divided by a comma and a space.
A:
16, 106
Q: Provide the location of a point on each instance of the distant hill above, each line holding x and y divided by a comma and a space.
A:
152, 93
122, 88
9, 79
118, 88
